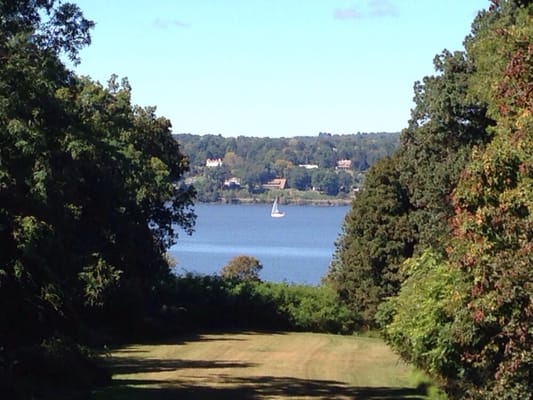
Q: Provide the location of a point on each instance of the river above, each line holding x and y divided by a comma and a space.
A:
294, 249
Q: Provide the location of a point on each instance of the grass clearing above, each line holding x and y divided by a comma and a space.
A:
253, 365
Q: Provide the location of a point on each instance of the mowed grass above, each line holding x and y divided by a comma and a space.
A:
260, 366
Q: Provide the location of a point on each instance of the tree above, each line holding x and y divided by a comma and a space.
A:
299, 178
282, 167
492, 226
50, 25
405, 205
419, 321
257, 160
465, 315
232, 160
326, 181
376, 238
242, 268
446, 123
33, 116
325, 155
346, 181
331, 183
90, 187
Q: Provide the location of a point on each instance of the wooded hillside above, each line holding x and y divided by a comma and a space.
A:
331, 164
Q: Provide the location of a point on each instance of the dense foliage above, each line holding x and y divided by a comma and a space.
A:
493, 224
89, 191
192, 302
463, 308
405, 202
375, 239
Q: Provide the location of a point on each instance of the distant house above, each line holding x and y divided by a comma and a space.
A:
213, 162
278, 183
308, 166
344, 164
232, 183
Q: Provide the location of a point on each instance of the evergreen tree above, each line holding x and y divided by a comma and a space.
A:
444, 126
375, 239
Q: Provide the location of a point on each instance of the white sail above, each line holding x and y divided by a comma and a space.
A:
276, 213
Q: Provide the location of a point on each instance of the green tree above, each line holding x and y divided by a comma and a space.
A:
90, 187
419, 322
233, 161
249, 158
445, 124
282, 167
325, 155
50, 25
375, 239
330, 184
32, 118
299, 178
325, 181
346, 181
242, 268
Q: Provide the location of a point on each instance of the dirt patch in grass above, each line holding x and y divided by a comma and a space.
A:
260, 366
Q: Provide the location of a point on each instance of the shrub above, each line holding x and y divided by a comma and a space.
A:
211, 302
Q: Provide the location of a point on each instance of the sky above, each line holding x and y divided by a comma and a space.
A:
274, 68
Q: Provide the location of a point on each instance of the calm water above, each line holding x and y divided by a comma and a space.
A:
295, 249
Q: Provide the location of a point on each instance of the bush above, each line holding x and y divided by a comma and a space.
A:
309, 308
419, 322
211, 302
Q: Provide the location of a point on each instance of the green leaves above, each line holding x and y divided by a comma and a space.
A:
98, 278
418, 322
29, 231
73, 158
376, 238
54, 26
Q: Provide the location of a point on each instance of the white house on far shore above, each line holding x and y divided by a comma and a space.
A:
213, 162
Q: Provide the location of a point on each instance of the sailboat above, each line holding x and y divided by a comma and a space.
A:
276, 213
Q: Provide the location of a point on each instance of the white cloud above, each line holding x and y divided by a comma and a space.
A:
169, 23
382, 8
347, 13
371, 9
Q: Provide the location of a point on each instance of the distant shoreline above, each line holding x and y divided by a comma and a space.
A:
298, 202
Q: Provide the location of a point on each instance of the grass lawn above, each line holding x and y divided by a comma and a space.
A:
261, 366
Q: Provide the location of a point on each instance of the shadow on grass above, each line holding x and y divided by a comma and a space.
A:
133, 365
228, 386
210, 336
252, 388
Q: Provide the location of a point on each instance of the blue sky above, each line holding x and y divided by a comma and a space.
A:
274, 67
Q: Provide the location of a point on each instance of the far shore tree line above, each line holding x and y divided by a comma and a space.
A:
241, 167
